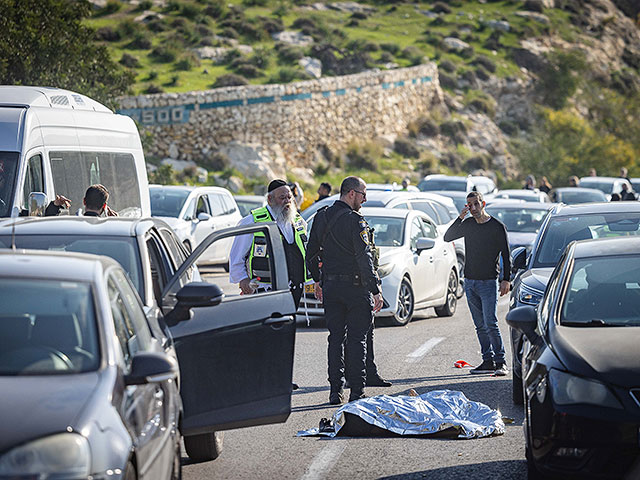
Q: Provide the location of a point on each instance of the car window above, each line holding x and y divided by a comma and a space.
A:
404, 205
178, 254
134, 308
160, 269
429, 229
202, 205
427, 208
443, 213
217, 204
9, 165
33, 179
167, 202
415, 233
387, 231
229, 204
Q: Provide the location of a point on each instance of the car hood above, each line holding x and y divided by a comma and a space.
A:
173, 222
588, 351
521, 239
35, 406
388, 253
537, 278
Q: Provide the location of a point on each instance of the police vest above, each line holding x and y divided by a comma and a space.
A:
258, 261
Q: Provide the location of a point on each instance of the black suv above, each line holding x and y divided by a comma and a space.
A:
563, 225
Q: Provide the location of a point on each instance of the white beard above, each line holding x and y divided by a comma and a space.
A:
285, 215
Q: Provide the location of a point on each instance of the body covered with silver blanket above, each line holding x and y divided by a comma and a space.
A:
428, 413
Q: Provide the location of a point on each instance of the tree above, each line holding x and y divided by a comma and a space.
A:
43, 42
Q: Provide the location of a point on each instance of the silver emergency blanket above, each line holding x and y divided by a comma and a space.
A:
423, 414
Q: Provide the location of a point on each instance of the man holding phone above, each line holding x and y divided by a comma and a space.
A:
95, 202
485, 239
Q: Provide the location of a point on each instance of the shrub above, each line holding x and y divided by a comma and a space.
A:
163, 54
427, 127
260, 58
129, 61
173, 82
508, 127
152, 75
187, 62
189, 10
254, 3
386, 57
215, 9
485, 62
483, 105
216, 162
406, 148
534, 6
447, 81
112, 6
158, 25
288, 74
139, 42
248, 70
392, 48
454, 129
153, 88
230, 80
413, 54
144, 5
230, 32
107, 34
359, 15
448, 66
478, 162
440, 7
482, 74
364, 156
127, 28
289, 53
272, 25
304, 22
561, 78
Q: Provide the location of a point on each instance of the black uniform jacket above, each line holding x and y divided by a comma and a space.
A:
345, 250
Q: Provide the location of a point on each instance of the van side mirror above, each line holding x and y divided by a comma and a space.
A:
424, 243
151, 367
518, 259
193, 295
38, 202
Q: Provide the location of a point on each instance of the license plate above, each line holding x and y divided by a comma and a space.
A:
311, 288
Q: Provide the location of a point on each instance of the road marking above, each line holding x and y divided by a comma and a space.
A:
422, 350
325, 460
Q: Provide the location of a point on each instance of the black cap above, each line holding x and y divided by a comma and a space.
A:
276, 184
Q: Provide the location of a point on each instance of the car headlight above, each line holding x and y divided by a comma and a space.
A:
65, 455
567, 389
529, 296
386, 269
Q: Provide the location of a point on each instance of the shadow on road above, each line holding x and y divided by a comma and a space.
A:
504, 470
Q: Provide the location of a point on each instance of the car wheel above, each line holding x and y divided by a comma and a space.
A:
176, 469
203, 447
449, 308
460, 291
406, 302
130, 472
517, 391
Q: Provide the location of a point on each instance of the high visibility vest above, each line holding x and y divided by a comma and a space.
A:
258, 260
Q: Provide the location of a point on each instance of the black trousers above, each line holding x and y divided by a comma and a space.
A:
348, 311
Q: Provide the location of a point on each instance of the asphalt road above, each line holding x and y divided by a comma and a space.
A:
419, 356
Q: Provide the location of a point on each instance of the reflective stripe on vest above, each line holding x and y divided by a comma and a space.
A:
257, 265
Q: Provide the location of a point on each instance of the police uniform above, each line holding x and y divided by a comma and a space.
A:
340, 255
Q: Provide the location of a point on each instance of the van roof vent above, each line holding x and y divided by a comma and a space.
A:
59, 100
78, 99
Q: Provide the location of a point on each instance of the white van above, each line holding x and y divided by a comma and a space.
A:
59, 142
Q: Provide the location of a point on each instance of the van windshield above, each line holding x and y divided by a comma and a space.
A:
8, 171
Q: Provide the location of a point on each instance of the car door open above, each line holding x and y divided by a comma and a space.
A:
236, 358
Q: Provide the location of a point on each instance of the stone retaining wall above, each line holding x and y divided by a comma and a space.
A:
293, 120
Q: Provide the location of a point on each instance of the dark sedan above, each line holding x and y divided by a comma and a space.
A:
573, 195
564, 224
522, 220
581, 366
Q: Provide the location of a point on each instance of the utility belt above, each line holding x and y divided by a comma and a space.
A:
353, 279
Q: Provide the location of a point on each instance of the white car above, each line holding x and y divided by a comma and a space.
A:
196, 212
417, 267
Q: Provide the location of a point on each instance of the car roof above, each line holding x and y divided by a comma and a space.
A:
520, 191
386, 212
599, 179
519, 204
606, 246
52, 265
596, 207
189, 188
251, 198
80, 225
449, 177
576, 189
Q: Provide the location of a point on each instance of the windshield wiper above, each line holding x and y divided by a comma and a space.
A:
594, 322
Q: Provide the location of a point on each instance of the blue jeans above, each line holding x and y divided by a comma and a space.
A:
482, 297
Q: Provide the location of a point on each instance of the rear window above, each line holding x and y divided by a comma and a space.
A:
167, 202
74, 172
443, 184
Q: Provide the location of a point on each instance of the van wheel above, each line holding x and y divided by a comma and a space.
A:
449, 308
204, 447
406, 302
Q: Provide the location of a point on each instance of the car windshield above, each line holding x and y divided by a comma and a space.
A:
47, 327
571, 197
122, 249
167, 202
387, 231
8, 171
603, 291
603, 186
245, 206
564, 229
443, 184
526, 220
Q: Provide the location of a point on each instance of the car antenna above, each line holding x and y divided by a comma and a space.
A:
15, 213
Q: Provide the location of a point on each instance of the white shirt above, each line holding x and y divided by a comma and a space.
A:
242, 244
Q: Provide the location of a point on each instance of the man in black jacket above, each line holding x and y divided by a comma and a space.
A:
348, 284
485, 239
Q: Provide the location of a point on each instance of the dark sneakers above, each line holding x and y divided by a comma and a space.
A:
501, 370
356, 395
336, 398
487, 366
374, 381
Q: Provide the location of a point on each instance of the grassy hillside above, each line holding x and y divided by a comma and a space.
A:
160, 49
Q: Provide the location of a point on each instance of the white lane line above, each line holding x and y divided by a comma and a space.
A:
325, 460
422, 350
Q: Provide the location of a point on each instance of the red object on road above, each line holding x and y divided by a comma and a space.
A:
462, 364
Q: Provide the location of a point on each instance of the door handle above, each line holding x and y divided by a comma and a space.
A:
277, 319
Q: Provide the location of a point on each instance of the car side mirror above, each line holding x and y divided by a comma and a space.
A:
151, 367
193, 295
518, 259
524, 319
202, 216
424, 243
38, 202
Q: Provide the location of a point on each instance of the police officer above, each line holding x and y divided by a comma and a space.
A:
348, 285
248, 259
